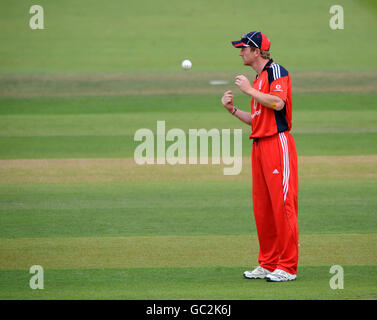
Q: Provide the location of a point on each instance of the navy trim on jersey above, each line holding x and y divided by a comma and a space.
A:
276, 71
267, 65
281, 120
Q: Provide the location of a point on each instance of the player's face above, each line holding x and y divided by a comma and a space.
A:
247, 55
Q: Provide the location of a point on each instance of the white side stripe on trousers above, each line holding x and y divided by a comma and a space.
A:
286, 172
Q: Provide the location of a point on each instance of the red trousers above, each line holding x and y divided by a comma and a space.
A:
275, 201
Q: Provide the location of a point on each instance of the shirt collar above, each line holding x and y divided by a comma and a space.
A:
266, 66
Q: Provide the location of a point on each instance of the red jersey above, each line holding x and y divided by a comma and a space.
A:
265, 122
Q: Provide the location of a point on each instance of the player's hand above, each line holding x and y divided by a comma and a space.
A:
243, 83
227, 100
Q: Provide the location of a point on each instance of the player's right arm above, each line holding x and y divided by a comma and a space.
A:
227, 101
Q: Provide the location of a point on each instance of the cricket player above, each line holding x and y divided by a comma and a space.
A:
274, 159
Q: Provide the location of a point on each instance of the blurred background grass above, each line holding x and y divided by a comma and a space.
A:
125, 36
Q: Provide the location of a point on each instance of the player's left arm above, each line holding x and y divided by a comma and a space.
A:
266, 99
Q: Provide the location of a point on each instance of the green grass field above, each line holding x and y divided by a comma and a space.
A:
73, 200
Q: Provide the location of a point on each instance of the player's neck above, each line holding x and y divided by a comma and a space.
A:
259, 65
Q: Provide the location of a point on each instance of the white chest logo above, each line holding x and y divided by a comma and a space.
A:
278, 88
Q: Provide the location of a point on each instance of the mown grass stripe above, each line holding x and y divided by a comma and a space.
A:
149, 83
187, 283
174, 104
126, 169
177, 251
121, 146
107, 124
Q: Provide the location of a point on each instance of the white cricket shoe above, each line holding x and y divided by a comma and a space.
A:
257, 273
280, 275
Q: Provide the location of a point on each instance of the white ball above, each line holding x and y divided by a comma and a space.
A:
186, 64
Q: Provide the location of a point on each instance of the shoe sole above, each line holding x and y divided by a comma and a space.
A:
269, 280
254, 278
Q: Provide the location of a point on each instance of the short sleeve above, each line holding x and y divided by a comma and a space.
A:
279, 87
278, 78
